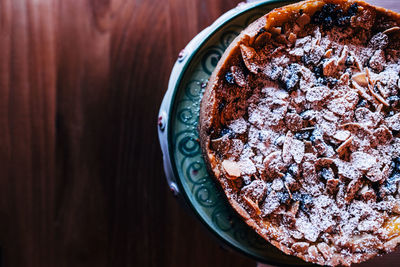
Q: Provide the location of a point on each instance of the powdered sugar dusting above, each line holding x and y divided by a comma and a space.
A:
318, 141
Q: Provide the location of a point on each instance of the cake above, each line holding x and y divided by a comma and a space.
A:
299, 124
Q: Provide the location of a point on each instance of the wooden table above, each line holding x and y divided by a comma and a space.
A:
82, 180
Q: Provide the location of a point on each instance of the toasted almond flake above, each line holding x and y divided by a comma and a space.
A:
296, 28
292, 37
238, 75
330, 67
270, 157
344, 78
325, 250
358, 64
280, 175
360, 78
396, 207
369, 78
317, 93
393, 122
314, 254
344, 145
386, 171
330, 117
362, 161
378, 109
252, 204
328, 53
356, 125
307, 129
352, 189
324, 162
341, 135
343, 56
362, 92
365, 242
249, 55
276, 30
288, 189
232, 168
297, 150
286, 155
380, 88
378, 97
390, 30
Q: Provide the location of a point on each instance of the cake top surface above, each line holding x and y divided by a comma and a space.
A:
300, 124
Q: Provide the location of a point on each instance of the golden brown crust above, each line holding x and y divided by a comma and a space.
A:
208, 111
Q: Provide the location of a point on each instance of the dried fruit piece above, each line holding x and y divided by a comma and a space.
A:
229, 78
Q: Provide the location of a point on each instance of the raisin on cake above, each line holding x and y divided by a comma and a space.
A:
300, 126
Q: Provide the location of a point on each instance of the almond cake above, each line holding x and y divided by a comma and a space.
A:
300, 124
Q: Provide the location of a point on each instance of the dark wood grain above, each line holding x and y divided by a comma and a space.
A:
82, 182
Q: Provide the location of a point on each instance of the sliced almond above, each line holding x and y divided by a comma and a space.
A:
341, 135
325, 250
360, 78
330, 67
286, 155
344, 79
328, 53
361, 91
352, 189
358, 63
343, 56
343, 146
249, 58
378, 97
292, 37
232, 168
365, 242
252, 204
390, 30
276, 30
300, 247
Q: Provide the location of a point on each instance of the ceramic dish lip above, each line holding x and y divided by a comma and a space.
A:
165, 113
